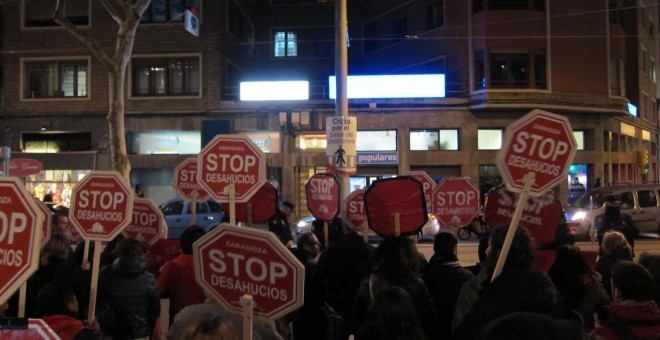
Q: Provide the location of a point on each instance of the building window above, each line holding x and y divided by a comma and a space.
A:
644, 56
430, 140
489, 139
510, 5
164, 11
285, 44
579, 139
39, 13
175, 76
435, 15
511, 70
617, 77
56, 79
652, 71
377, 140
615, 12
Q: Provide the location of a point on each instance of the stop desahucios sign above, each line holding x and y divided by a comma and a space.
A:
20, 235
231, 159
456, 201
101, 205
541, 143
231, 262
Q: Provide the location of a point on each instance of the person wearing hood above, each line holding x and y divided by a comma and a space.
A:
128, 296
519, 288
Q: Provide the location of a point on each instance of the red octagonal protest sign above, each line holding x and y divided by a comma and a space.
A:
20, 229
356, 214
185, 181
263, 205
428, 184
541, 143
231, 159
456, 201
101, 205
402, 196
541, 215
231, 262
147, 223
323, 196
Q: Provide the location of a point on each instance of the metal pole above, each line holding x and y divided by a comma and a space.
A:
341, 72
6, 156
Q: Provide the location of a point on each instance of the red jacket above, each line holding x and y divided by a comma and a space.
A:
177, 282
67, 327
630, 319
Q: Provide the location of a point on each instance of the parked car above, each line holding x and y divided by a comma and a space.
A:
177, 213
640, 201
429, 229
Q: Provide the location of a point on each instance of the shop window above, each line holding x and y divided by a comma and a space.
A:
285, 44
53, 142
435, 15
378, 140
165, 11
489, 139
56, 79
167, 76
429, 140
39, 13
164, 142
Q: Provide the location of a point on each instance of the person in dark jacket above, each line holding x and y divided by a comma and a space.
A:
280, 225
519, 288
397, 265
58, 306
391, 316
128, 296
444, 278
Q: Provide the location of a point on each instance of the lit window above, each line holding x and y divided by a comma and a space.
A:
489, 139
381, 140
428, 140
164, 11
176, 76
579, 139
56, 79
286, 44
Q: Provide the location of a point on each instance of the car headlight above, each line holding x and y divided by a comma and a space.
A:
579, 216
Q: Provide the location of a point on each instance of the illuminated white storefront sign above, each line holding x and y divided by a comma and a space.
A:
274, 90
392, 86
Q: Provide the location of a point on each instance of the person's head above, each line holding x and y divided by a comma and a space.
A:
188, 237
614, 241
309, 243
58, 246
128, 247
56, 297
396, 259
484, 239
210, 327
60, 223
576, 179
287, 207
568, 270
631, 281
392, 315
652, 263
444, 244
521, 253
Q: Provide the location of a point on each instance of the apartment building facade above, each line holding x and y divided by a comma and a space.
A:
592, 61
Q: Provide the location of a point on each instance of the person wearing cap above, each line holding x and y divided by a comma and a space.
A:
279, 223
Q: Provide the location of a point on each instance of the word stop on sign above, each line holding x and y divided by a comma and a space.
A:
105, 200
233, 163
545, 148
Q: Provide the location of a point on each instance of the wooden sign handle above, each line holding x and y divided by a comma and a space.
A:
232, 204
193, 208
326, 238
397, 224
22, 296
248, 306
95, 282
522, 201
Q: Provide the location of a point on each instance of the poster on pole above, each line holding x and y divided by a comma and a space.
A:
341, 150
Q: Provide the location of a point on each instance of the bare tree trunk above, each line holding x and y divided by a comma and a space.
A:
126, 13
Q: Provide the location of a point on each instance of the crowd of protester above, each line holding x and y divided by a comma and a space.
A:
355, 290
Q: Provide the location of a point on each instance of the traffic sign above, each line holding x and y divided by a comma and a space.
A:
456, 201
402, 197
47, 226
232, 262
541, 143
541, 215
185, 181
428, 184
147, 223
231, 159
356, 214
20, 228
323, 196
264, 205
101, 205
341, 148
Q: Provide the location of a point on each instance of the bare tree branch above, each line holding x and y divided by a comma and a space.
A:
112, 10
94, 47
